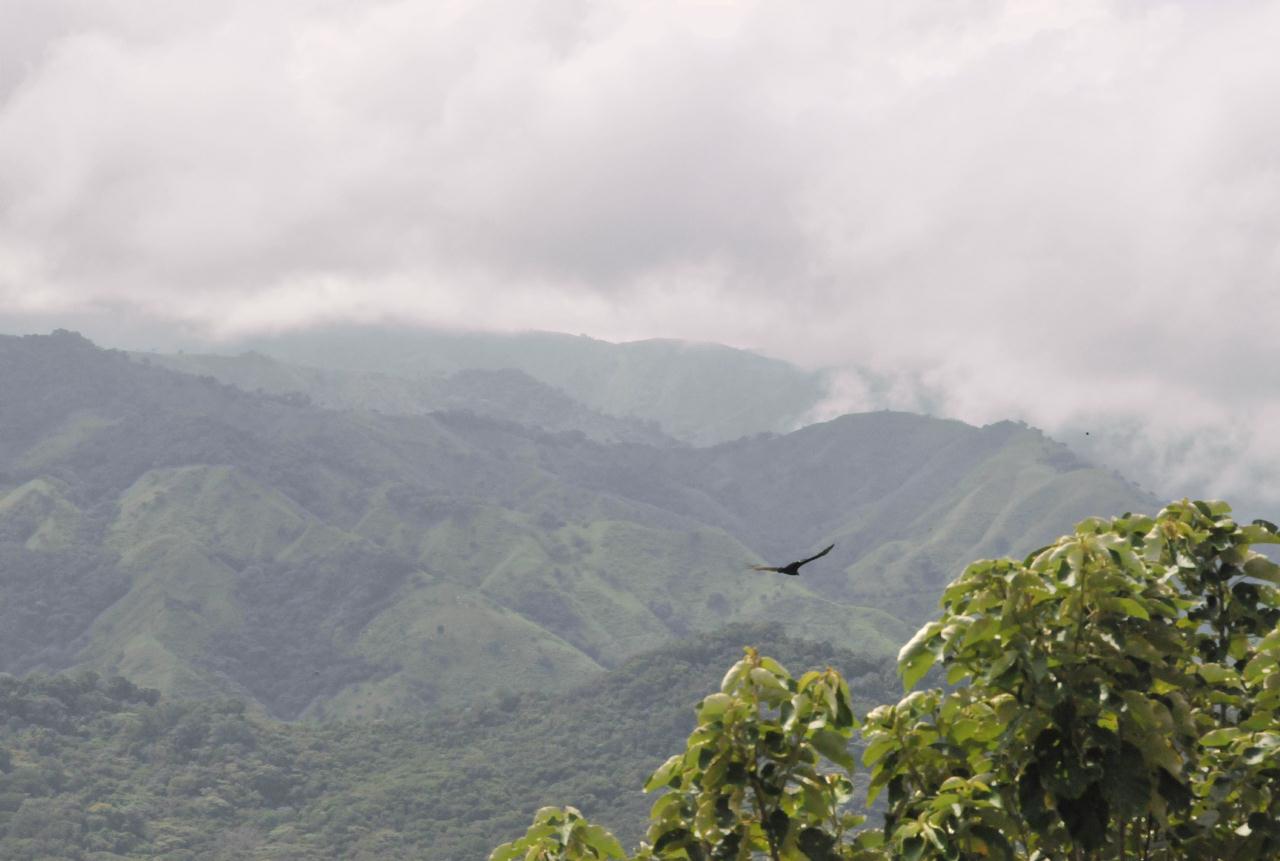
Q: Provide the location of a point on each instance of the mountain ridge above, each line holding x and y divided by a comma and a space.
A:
346, 563
700, 393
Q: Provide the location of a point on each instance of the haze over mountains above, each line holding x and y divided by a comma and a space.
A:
202, 539
699, 393
504, 393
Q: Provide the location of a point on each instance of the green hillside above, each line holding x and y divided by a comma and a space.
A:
201, 539
100, 769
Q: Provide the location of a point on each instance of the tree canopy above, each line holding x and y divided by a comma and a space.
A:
1113, 695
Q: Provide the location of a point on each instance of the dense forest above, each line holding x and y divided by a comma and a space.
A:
95, 768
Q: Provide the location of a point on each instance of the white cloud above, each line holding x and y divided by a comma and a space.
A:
1067, 213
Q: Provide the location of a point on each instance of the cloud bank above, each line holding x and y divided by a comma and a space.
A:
1065, 213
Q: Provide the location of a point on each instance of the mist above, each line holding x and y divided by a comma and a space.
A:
1060, 214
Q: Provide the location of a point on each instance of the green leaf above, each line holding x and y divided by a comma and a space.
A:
915, 669
768, 681
981, 631
733, 676
1260, 532
603, 842
815, 803
1262, 568
1220, 737
880, 744
917, 643
1216, 674
1258, 668
774, 667
1127, 606
913, 848
507, 851
663, 776
714, 706
834, 747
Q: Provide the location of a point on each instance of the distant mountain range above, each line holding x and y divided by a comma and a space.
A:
696, 392
204, 539
502, 393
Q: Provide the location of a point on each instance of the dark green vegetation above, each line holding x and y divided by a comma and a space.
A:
1116, 696
98, 769
207, 541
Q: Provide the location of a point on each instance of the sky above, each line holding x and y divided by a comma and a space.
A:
1064, 213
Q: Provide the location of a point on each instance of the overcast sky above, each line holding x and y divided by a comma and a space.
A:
1063, 212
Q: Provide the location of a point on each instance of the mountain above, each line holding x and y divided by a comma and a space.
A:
502, 393
205, 540
91, 765
698, 393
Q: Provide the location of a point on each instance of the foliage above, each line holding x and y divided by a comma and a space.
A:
1120, 700
764, 773
561, 833
752, 777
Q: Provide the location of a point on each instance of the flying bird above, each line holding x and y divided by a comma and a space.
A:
793, 568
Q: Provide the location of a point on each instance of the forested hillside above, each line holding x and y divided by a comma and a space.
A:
204, 540
94, 768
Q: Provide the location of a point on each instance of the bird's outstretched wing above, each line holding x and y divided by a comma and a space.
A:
793, 568
818, 555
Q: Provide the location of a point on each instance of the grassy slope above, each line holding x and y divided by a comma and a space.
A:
327, 563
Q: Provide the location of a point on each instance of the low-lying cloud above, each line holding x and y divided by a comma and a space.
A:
1064, 213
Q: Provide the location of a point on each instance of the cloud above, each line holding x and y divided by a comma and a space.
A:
1066, 213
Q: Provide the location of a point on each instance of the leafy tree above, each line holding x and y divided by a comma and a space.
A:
1119, 700
1114, 695
561, 833
752, 778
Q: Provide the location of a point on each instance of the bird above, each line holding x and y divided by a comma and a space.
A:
792, 569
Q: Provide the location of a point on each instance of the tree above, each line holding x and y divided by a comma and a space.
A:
1118, 699
1114, 695
561, 833
755, 779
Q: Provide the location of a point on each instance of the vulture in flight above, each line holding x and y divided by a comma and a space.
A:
793, 568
